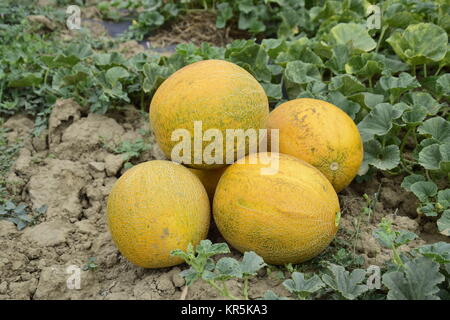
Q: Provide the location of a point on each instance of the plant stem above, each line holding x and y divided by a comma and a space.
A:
425, 70
413, 71
245, 292
383, 30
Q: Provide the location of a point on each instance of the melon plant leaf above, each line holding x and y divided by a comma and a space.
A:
224, 13
190, 276
443, 223
430, 157
438, 252
384, 158
424, 190
396, 86
270, 295
339, 58
302, 287
410, 180
420, 43
418, 281
273, 91
114, 74
391, 238
301, 72
379, 120
365, 65
437, 127
338, 99
349, 285
253, 58
346, 84
443, 198
226, 268
367, 99
415, 115
251, 263
207, 248
27, 79
353, 35
443, 84
422, 100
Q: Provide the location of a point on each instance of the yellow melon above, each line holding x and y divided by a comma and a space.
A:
321, 134
220, 94
287, 217
154, 208
209, 178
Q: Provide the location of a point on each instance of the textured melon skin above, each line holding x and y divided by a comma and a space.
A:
288, 217
219, 93
321, 134
154, 208
209, 178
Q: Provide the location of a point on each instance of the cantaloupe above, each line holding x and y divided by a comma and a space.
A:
321, 134
288, 217
220, 94
209, 178
154, 208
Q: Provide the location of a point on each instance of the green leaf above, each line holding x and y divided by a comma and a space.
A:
253, 58
298, 73
379, 121
224, 13
438, 252
207, 248
349, 285
251, 263
367, 99
443, 84
410, 180
365, 65
436, 127
418, 281
226, 268
444, 223
420, 43
355, 36
396, 86
304, 287
339, 58
443, 198
27, 79
339, 100
270, 295
422, 100
273, 91
114, 74
423, 190
346, 84
383, 158
190, 276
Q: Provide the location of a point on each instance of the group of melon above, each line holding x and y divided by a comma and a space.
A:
286, 217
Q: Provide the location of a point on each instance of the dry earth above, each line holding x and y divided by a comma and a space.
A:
70, 168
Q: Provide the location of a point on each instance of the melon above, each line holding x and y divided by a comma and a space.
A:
321, 134
154, 208
286, 217
219, 95
209, 178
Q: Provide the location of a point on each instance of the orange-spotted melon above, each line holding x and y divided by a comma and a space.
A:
154, 208
321, 134
209, 178
286, 217
218, 94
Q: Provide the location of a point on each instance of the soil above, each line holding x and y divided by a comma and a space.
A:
70, 168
